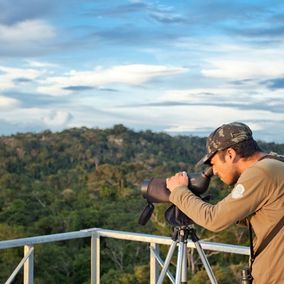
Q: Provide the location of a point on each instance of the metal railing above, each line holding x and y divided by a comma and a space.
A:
95, 234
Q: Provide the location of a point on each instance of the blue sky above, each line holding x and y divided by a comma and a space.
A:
182, 67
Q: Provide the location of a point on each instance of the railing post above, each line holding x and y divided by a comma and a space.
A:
154, 266
29, 265
95, 258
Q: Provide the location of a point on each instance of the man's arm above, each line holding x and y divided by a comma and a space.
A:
241, 202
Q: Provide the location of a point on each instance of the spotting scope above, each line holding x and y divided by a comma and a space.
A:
154, 190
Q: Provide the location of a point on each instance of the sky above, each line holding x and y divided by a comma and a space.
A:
180, 67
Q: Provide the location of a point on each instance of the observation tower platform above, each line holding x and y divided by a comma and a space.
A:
95, 234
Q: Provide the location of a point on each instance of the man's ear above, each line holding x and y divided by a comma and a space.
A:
231, 154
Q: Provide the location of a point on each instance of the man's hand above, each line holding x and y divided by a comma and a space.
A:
180, 179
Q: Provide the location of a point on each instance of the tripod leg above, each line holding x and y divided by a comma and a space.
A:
167, 262
205, 262
179, 263
184, 265
181, 271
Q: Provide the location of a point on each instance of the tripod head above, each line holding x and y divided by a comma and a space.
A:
175, 217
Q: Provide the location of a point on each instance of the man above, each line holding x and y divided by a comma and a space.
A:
257, 197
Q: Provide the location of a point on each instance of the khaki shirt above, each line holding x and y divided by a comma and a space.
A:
258, 195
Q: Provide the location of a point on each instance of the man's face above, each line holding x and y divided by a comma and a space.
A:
225, 168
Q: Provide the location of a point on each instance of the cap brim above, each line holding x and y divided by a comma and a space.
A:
205, 160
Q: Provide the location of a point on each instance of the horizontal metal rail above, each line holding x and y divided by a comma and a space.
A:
95, 234
221, 247
45, 239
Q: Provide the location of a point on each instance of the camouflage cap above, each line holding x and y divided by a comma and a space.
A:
224, 137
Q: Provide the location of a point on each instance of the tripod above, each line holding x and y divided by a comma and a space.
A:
180, 237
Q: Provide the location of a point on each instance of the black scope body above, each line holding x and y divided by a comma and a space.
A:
154, 190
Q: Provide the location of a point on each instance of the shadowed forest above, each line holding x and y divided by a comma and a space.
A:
83, 178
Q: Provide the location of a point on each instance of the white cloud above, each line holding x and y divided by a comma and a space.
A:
192, 119
239, 60
197, 94
53, 89
9, 74
134, 74
228, 58
41, 118
8, 102
20, 72
41, 64
26, 32
240, 69
57, 118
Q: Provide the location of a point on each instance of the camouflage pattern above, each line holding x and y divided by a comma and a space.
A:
224, 137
